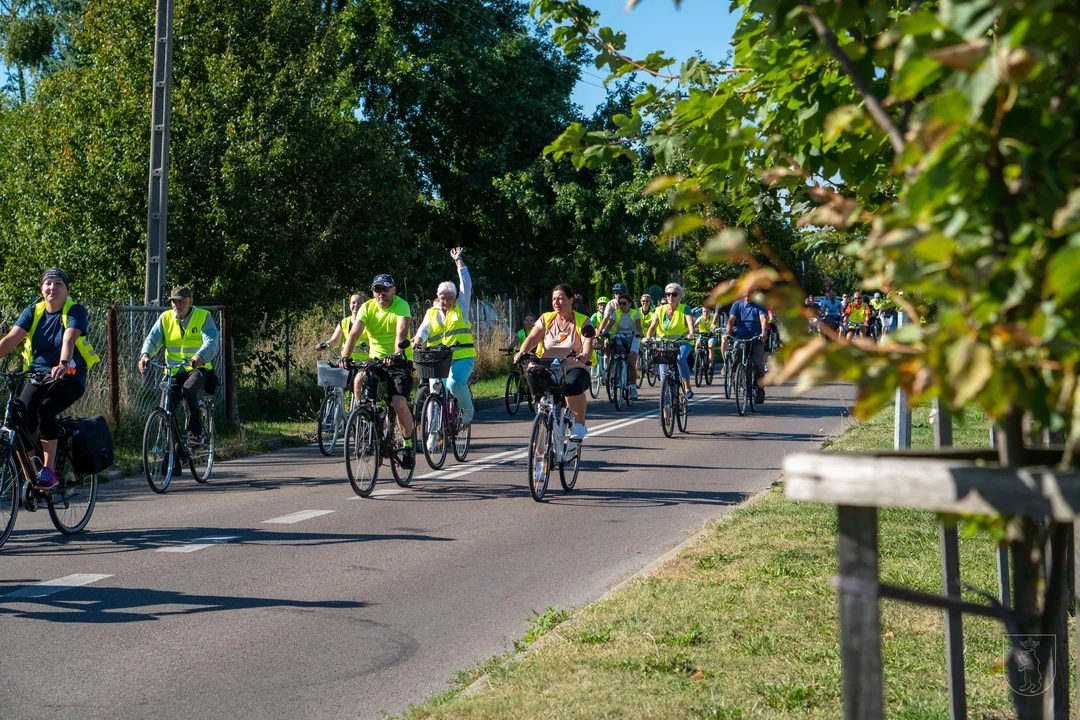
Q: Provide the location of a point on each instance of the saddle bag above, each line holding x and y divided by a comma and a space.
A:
90, 443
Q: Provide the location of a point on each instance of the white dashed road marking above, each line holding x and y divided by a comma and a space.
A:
50, 587
297, 517
199, 544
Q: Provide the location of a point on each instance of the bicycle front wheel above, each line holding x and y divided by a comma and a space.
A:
616, 384
727, 377
72, 503
667, 404
158, 451
741, 400
650, 372
329, 425
402, 475
710, 366
541, 455
433, 432
682, 410
361, 451
568, 468
202, 457
9, 497
513, 394
699, 368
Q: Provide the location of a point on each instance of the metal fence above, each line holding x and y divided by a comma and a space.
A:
114, 387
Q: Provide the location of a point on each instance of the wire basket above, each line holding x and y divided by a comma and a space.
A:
665, 356
433, 363
621, 344
331, 376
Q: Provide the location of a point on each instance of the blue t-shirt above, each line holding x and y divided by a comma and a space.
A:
49, 337
832, 309
747, 318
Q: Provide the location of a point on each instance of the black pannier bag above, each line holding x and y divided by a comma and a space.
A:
210, 382
90, 443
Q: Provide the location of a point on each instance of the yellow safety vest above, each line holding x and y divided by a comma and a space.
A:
81, 343
673, 328
455, 333
357, 354
180, 345
703, 322
857, 313
646, 320
634, 315
579, 320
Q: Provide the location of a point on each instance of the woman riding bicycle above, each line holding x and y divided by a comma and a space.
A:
559, 334
674, 322
54, 331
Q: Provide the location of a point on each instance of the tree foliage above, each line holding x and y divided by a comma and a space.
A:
936, 138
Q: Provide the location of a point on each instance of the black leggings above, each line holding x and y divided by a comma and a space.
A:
47, 400
577, 382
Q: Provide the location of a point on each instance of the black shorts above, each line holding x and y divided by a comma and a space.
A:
398, 380
577, 382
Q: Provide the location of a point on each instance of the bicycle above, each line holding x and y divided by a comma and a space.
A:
163, 446
673, 404
745, 381
646, 368
516, 386
704, 363
550, 442
372, 432
618, 389
598, 373
441, 419
71, 503
335, 382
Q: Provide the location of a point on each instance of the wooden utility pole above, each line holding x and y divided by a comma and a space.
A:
161, 110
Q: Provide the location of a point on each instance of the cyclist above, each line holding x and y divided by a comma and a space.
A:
385, 321
856, 314
747, 319
831, 310
625, 320
54, 331
674, 322
448, 324
877, 312
645, 302
558, 334
598, 317
341, 331
190, 336
529, 321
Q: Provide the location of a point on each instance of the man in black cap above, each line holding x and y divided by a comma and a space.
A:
190, 337
386, 318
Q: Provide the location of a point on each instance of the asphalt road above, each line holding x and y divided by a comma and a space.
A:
194, 605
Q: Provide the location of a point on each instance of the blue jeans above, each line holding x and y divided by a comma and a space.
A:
458, 382
684, 363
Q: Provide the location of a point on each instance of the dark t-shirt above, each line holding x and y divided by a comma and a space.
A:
49, 337
747, 318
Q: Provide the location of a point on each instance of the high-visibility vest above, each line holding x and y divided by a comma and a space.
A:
634, 315
453, 331
579, 321
180, 345
675, 327
81, 344
857, 313
703, 322
646, 320
346, 328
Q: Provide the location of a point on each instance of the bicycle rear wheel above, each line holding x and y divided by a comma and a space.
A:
568, 468
615, 385
329, 424
361, 451
541, 455
527, 394
202, 457
699, 367
741, 403
682, 411
72, 503
710, 366
402, 475
158, 451
596, 378
728, 362
463, 437
650, 371
9, 497
752, 389
667, 404
513, 394
433, 432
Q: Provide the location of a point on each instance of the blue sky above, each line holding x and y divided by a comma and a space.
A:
704, 25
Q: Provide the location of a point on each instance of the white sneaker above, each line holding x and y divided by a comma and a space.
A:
467, 416
578, 432
633, 392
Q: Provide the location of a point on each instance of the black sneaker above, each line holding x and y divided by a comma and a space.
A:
760, 396
408, 457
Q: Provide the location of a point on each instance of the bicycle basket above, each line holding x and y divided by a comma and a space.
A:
433, 363
666, 356
620, 344
541, 379
331, 376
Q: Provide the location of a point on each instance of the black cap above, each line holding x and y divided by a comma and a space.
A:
180, 293
384, 279
55, 273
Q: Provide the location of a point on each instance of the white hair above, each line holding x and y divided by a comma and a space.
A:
447, 288
674, 287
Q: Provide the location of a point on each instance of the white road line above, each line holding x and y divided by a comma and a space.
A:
50, 587
198, 544
388, 491
297, 517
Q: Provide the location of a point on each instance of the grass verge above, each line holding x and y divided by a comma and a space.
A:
743, 624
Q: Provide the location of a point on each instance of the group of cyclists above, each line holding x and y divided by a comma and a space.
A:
854, 317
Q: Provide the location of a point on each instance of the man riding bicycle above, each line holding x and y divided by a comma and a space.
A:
857, 313
385, 320
625, 320
831, 310
448, 324
54, 331
748, 320
190, 337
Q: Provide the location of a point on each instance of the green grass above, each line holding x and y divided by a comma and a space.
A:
743, 624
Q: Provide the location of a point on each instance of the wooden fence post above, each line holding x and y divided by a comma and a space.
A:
113, 349
950, 570
231, 411
860, 623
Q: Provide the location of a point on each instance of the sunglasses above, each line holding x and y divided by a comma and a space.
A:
624, 304
380, 288
671, 294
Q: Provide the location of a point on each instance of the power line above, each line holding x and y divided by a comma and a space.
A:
538, 60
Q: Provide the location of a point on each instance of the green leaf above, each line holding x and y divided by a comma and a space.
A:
839, 119
1067, 217
934, 248
970, 365
916, 75
661, 183
682, 225
1062, 274
729, 244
